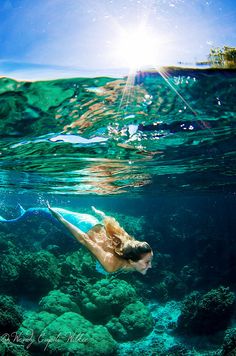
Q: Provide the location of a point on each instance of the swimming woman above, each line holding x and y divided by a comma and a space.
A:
111, 245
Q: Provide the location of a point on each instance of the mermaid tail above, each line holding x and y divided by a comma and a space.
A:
83, 221
25, 214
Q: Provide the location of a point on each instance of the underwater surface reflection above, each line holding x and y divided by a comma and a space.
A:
163, 165
110, 136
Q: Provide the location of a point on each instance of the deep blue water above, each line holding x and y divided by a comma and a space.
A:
157, 152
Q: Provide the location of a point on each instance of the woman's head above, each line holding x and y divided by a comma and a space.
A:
139, 254
133, 250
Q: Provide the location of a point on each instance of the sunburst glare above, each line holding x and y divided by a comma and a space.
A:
137, 48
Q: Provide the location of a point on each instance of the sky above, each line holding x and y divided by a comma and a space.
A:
44, 39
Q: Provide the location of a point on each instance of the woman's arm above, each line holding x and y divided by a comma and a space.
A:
99, 212
106, 259
74, 230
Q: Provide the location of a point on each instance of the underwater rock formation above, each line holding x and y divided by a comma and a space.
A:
8, 348
106, 298
77, 271
58, 303
67, 334
10, 262
178, 350
170, 287
135, 321
39, 273
10, 315
229, 343
208, 313
79, 263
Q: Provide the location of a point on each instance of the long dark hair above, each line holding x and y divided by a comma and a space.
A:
135, 250
122, 243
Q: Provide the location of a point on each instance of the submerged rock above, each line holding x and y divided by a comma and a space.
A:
8, 348
134, 322
9, 268
229, 344
10, 315
67, 334
58, 303
208, 313
10, 263
40, 273
106, 298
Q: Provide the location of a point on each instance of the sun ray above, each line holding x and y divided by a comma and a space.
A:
165, 77
137, 48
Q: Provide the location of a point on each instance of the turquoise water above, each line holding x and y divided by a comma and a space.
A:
152, 132
157, 152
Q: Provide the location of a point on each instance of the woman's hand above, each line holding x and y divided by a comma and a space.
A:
53, 212
99, 212
49, 207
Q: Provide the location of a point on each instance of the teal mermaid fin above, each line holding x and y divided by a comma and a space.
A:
22, 210
83, 221
2, 219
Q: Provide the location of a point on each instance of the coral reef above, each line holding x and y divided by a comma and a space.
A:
67, 334
10, 264
8, 348
70, 288
79, 264
77, 271
106, 298
135, 321
229, 343
208, 313
170, 287
10, 315
177, 350
9, 268
39, 273
58, 303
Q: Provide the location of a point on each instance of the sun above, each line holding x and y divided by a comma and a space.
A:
137, 48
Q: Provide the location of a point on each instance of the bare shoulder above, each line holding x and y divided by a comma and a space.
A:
119, 264
104, 254
110, 261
